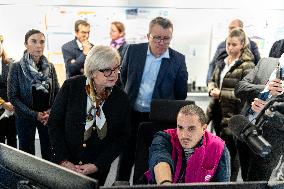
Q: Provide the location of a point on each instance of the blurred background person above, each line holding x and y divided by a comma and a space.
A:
224, 104
32, 87
117, 35
88, 124
221, 49
7, 120
75, 51
277, 49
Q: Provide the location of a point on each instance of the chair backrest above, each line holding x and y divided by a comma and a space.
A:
166, 111
163, 116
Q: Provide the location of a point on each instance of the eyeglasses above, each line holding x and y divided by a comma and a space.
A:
158, 39
108, 71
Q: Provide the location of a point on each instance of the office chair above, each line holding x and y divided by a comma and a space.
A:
163, 116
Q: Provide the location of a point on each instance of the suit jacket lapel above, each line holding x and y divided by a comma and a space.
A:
141, 60
75, 44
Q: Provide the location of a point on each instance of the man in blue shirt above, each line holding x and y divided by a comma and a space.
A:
150, 71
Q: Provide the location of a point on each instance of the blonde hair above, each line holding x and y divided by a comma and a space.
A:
100, 57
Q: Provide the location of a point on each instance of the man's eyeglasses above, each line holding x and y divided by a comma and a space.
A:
158, 39
108, 71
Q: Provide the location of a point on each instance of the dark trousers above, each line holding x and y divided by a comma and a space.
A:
26, 130
127, 157
231, 145
255, 167
8, 131
225, 133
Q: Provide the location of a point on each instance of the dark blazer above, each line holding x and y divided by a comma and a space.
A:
171, 80
66, 126
74, 58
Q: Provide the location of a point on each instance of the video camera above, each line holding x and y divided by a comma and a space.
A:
271, 115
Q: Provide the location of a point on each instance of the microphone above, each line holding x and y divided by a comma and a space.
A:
245, 131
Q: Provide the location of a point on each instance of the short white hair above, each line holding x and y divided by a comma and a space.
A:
100, 57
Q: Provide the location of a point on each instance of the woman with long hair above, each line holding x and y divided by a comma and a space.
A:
7, 119
230, 69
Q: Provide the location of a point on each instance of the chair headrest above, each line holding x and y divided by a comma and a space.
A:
166, 110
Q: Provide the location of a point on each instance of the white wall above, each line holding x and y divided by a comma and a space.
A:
198, 25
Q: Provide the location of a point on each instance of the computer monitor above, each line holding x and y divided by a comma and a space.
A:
22, 170
210, 185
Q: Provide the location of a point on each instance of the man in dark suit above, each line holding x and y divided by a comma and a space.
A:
75, 51
221, 49
150, 71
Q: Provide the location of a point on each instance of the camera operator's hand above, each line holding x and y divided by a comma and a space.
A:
275, 87
257, 105
215, 93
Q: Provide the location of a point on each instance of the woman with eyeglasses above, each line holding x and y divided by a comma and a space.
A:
89, 125
32, 87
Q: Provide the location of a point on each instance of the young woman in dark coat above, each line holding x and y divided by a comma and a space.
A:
224, 104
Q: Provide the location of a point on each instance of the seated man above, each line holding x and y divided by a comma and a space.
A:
188, 153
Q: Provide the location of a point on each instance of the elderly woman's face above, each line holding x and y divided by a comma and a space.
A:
107, 77
35, 45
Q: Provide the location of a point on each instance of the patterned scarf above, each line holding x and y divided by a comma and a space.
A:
117, 43
95, 114
41, 80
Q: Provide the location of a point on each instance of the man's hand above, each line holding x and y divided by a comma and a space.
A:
257, 105
163, 173
86, 47
86, 169
275, 87
215, 93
